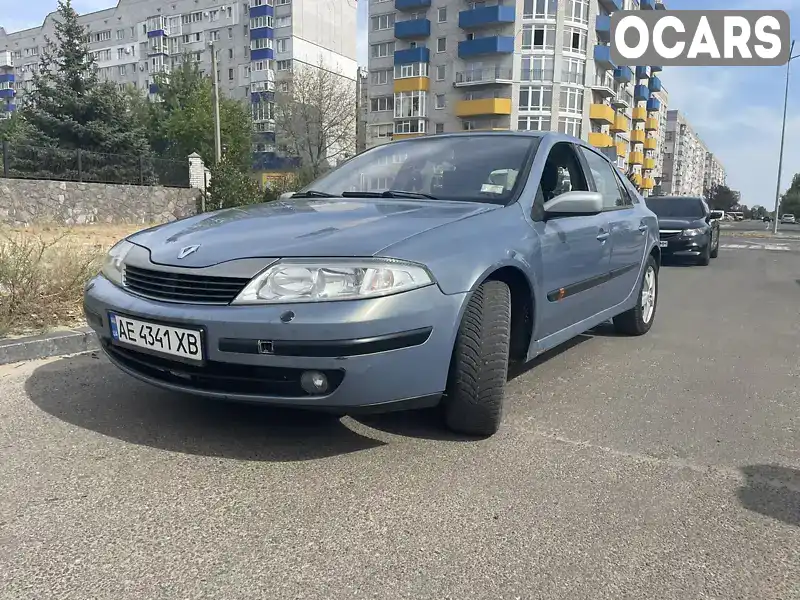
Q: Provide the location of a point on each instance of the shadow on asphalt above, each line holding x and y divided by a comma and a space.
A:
773, 491
680, 261
92, 394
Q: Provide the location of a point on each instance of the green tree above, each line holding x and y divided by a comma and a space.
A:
230, 186
70, 109
721, 197
183, 121
790, 200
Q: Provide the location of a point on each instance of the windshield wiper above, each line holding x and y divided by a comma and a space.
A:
388, 194
313, 194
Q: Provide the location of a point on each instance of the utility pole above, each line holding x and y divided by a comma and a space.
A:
783, 137
215, 79
359, 124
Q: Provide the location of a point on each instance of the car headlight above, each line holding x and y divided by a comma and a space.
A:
326, 280
114, 262
693, 232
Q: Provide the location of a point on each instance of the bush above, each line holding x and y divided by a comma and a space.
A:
230, 187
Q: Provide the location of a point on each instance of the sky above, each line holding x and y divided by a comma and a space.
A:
736, 111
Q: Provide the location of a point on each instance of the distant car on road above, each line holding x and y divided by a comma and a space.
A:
407, 277
788, 218
687, 227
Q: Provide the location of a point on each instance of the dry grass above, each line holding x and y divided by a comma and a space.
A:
43, 270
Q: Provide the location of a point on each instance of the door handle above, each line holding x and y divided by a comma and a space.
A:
602, 236
643, 227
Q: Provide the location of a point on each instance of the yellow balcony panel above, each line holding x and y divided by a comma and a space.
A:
651, 124
649, 163
650, 143
620, 124
636, 158
412, 84
648, 183
600, 140
637, 178
637, 136
622, 148
483, 106
406, 136
602, 113
639, 113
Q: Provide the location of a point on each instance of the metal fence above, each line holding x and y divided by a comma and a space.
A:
21, 161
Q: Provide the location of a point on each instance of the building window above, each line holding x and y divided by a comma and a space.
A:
570, 126
381, 77
122, 69
230, 74
441, 72
440, 101
120, 34
442, 14
540, 9
539, 37
259, 22
411, 70
415, 126
441, 45
571, 100
284, 65
214, 35
382, 131
230, 53
382, 22
575, 40
282, 45
535, 98
260, 44
382, 50
381, 104
535, 123
537, 68
439, 127
578, 11
283, 21
411, 104
573, 70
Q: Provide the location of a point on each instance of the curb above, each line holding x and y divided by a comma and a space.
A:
57, 343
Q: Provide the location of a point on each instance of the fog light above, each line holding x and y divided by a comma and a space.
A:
314, 382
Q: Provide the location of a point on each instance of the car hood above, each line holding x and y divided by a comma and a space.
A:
330, 227
678, 223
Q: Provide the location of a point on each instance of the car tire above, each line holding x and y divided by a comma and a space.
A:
639, 319
705, 258
473, 402
715, 251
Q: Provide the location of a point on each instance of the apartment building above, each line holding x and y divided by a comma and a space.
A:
714, 172
663, 99
441, 66
684, 158
255, 43
7, 91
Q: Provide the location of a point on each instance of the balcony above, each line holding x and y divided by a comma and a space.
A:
622, 147
620, 124
7, 93
637, 136
6, 60
649, 163
602, 26
636, 158
602, 113
496, 44
600, 140
611, 5
486, 16
405, 5
10, 107
411, 56
648, 183
641, 73
622, 100
660, 5
602, 55
651, 124
639, 113
483, 76
650, 143
483, 106
640, 92
647, 4
637, 177
261, 11
412, 84
262, 54
623, 74
415, 28
653, 105
7, 78
406, 136
603, 84
655, 84
654, 69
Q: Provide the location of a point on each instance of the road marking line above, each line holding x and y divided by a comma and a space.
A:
785, 248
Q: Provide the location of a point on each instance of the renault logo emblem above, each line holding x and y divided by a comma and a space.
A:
188, 250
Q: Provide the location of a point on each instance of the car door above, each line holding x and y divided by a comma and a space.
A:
626, 225
575, 250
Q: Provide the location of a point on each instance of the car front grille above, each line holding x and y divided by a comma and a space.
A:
668, 235
180, 287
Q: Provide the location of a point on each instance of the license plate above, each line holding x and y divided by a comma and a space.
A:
663, 243
173, 341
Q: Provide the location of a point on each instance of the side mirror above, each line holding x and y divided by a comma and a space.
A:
286, 195
574, 204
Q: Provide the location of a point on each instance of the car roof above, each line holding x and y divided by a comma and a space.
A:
553, 136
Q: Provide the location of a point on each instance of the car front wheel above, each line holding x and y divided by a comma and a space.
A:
639, 319
473, 402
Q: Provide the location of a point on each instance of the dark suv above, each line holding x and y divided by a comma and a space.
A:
687, 227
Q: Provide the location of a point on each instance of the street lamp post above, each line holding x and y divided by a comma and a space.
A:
783, 136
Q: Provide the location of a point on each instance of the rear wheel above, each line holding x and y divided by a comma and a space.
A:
473, 403
715, 251
639, 319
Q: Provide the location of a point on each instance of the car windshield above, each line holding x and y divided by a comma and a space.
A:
676, 206
479, 168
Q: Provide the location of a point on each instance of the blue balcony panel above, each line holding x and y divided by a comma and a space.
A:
655, 84
411, 4
153, 88
415, 28
262, 54
6, 77
641, 73
10, 107
602, 26
486, 16
647, 4
660, 5
640, 92
602, 55
258, 97
653, 105
623, 74
496, 44
9, 93
156, 33
611, 5
261, 11
262, 33
656, 69
411, 56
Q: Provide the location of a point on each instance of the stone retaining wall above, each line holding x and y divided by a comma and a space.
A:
28, 201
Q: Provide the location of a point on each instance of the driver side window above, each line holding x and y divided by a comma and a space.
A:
562, 173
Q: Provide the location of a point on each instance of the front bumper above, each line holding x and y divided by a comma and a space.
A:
379, 354
684, 246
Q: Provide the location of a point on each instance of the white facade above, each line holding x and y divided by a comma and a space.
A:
684, 158
714, 172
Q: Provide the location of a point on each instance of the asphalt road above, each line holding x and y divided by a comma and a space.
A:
759, 226
664, 467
